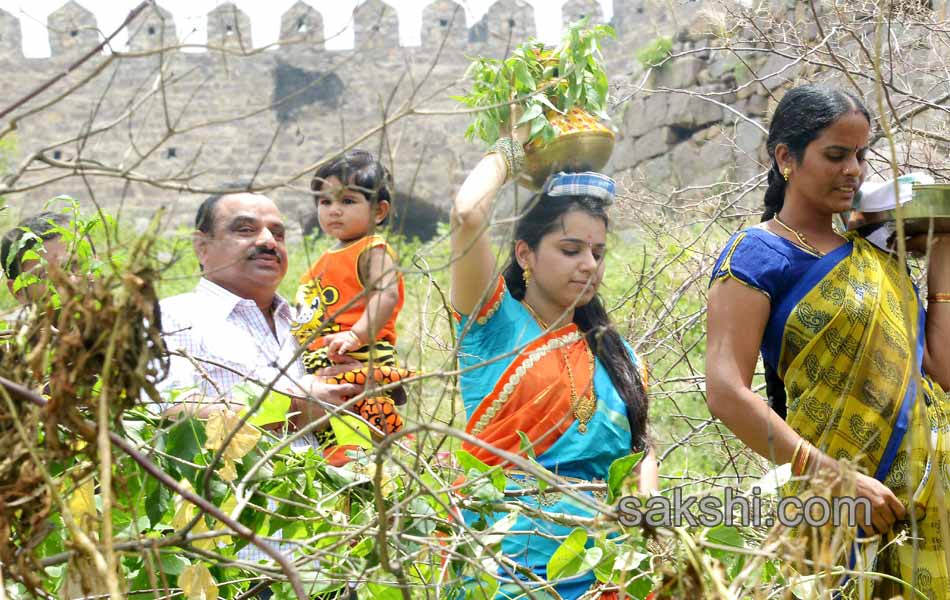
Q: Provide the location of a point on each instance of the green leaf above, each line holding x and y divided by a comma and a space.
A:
542, 484
480, 487
383, 591
592, 557
484, 587
433, 499
654, 53
526, 444
620, 470
24, 280
283, 591
422, 517
538, 125
569, 556
543, 99
468, 462
640, 587
172, 564
141, 580
273, 409
725, 535
523, 77
605, 567
363, 548
579, 63
125, 526
534, 111
30, 255
351, 430
624, 563
185, 440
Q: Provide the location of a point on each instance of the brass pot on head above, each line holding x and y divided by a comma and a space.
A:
582, 144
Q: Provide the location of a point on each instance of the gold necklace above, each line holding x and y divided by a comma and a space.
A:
583, 407
801, 236
534, 314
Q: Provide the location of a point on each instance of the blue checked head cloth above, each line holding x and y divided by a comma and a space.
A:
588, 183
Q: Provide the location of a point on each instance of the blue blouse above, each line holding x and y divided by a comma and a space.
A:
765, 262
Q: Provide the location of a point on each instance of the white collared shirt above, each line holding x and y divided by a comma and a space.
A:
230, 341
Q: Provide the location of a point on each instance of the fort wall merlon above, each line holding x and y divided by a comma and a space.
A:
73, 30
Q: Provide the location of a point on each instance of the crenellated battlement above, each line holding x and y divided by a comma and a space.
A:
73, 29
161, 119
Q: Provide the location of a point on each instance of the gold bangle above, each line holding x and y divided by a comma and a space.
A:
504, 159
512, 154
800, 465
806, 457
939, 298
798, 449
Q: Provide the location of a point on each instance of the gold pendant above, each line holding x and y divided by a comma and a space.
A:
583, 411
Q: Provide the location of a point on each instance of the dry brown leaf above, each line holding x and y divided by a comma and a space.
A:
218, 428
197, 583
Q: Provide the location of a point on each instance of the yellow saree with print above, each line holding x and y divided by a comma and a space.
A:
847, 341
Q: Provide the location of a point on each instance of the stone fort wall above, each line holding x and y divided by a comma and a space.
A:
153, 126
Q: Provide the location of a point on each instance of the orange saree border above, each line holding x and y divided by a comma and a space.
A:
533, 395
489, 308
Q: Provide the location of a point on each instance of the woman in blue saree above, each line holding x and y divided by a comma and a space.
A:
538, 353
854, 373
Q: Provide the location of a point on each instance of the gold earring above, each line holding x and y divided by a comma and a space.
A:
786, 173
526, 275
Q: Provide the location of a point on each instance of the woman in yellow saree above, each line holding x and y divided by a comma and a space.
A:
853, 364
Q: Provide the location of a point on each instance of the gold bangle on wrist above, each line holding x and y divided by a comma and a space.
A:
939, 298
796, 452
801, 457
511, 152
806, 458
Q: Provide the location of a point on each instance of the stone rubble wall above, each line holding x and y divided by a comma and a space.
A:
700, 118
235, 113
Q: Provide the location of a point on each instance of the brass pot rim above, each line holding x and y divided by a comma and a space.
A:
541, 159
566, 137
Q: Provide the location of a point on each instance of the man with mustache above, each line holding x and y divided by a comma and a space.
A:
234, 326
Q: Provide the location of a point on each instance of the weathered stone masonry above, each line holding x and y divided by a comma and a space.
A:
233, 113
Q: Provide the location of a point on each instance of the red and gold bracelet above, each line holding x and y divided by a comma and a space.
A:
939, 298
798, 450
801, 457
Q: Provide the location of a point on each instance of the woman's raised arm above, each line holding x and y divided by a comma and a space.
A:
473, 263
